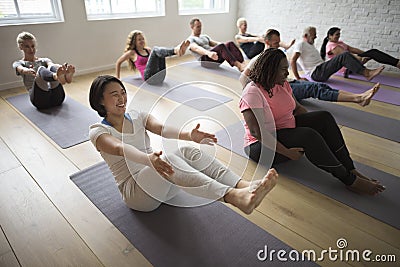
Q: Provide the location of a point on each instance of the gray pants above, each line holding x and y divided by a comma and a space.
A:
195, 172
155, 68
325, 70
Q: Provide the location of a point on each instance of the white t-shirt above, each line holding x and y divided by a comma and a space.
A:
309, 56
136, 137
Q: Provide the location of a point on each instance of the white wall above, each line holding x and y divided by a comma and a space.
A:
364, 24
95, 45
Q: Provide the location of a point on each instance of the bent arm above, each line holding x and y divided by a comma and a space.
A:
287, 46
355, 50
293, 65
262, 135
198, 49
248, 39
125, 56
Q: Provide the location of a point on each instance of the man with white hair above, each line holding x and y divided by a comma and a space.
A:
313, 65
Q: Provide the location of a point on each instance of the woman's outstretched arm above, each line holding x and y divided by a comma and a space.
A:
195, 135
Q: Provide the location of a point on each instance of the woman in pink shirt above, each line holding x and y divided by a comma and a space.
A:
298, 132
150, 63
332, 47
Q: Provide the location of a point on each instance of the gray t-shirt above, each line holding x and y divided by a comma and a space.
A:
29, 79
203, 41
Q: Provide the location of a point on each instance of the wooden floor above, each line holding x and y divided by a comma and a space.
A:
46, 220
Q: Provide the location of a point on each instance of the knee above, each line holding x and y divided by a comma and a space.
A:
326, 116
190, 153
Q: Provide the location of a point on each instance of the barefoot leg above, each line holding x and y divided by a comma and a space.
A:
367, 95
247, 199
60, 74
69, 73
370, 74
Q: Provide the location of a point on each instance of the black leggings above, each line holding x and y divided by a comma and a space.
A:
320, 137
380, 57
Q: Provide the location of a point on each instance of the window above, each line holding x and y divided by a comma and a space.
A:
14, 12
119, 9
191, 7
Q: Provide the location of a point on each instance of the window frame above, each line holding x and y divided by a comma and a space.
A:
200, 11
56, 17
112, 16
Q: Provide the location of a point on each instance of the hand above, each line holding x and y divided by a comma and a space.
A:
161, 166
213, 55
292, 42
29, 71
295, 153
202, 137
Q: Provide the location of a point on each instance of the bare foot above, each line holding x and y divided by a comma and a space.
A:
69, 73
247, 199
367, 95
241, 66
366, 186
180, 50
60, 74
370, 74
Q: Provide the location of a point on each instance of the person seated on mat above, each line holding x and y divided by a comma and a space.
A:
332, 47
121, 138
320, 71
306, 89
42, 78
251, 44
212, 53
298, 132
148, 62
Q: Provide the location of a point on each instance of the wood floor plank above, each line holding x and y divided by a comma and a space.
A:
51, 170
8, 160
38, 233
7, 256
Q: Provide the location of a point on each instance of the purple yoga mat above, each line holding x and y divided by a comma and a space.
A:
383, 95
382, 78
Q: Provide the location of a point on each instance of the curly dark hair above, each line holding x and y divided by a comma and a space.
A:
97, 90
265, 68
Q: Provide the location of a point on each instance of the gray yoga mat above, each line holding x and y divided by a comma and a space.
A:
67, 125
367, 122
211, 235
384, 207
187, 94
222, 69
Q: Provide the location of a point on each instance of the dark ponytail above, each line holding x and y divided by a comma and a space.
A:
331, 31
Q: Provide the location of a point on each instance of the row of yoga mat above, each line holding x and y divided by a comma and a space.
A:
68, 124
211, 235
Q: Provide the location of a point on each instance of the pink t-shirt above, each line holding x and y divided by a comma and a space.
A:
331, 45
141, 62
281, 105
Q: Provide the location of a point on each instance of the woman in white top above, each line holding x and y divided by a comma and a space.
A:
146, 178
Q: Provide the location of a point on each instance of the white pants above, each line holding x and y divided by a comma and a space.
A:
195, 172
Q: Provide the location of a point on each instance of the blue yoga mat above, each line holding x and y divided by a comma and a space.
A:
67, 125
186, 94
211, 235
384, 207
